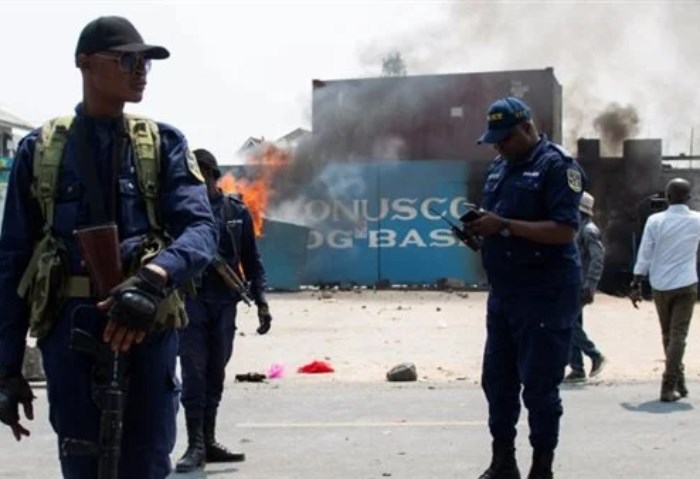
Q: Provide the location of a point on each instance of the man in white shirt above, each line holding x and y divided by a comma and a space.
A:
668, 255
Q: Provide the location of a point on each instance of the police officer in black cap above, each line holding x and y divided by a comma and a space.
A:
94, 167
206, 344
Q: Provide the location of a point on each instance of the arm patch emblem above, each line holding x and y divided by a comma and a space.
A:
193, 166
573, 177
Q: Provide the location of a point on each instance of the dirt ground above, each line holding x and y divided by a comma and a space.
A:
363, 334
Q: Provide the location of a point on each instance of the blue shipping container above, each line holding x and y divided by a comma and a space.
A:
373, 221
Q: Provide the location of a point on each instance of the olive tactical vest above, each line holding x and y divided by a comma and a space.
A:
47, 283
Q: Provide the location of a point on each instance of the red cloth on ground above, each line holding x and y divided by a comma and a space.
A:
316, 367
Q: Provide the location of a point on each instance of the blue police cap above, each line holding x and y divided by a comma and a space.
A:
502, 117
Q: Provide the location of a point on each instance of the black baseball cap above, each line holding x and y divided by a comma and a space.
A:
116, 34
207, 161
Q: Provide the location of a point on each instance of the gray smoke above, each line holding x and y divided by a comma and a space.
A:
347, 131
596, 50
616, 124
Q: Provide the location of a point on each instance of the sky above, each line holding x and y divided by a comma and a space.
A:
241, 69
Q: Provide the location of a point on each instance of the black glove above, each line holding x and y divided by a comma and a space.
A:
264, 317
636, 292
13, 391
136, 300
587, 296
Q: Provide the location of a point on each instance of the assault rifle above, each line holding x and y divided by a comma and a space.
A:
99, 247
232, 279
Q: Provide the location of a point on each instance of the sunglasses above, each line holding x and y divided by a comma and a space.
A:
129, 62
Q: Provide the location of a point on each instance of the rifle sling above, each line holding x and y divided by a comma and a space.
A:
230, 215
102, 209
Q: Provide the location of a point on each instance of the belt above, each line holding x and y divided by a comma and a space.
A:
78, 287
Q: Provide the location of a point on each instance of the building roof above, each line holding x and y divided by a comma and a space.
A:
250, 143
8, 119
294, 135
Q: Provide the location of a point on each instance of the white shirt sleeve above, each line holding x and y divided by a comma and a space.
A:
646, 248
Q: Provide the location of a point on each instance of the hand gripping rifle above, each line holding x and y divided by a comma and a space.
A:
465, 233
232, 279
99, 247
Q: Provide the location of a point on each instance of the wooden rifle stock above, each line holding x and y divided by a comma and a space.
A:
99, 247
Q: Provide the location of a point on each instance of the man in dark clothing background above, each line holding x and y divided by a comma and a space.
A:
206, 344
592, 253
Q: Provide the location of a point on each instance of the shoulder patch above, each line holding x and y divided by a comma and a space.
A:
562, 151
193, 166
573, 177
235, 198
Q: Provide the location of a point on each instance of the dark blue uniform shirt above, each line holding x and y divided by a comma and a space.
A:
547, 185
183, 206
237, 245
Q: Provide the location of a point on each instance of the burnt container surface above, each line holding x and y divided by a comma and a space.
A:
626, 191
424, 117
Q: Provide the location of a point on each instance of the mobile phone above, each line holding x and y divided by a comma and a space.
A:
471, 215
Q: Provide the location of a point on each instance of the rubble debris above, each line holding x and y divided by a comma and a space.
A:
450, 283
251, 377
382, 284
402, 372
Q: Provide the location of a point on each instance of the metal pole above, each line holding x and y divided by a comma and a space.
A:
692, 131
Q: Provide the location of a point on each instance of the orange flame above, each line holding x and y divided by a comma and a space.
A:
256, 193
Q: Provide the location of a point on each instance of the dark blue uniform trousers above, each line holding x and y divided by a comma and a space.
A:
152, 401
206, 345
527, 347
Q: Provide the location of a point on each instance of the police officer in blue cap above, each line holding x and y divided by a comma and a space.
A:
206, 344
100, 166
529, 221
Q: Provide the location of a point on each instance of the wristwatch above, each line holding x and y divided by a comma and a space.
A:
505, 228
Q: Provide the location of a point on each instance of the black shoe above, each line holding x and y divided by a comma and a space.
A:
503, 464
575, 377
219, 453
669, 396
195, 455
598, 365
668, 390
681, 387
216, 452
541, 465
